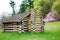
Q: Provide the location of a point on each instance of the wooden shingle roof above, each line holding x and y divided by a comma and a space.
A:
16, 18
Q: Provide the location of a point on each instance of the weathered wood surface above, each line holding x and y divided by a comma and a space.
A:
36, 21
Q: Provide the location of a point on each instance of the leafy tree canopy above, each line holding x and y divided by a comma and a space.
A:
56, 6
26, 4
43, 5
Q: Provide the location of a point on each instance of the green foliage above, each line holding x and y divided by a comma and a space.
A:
36, 4
43, 5
56, 6
12, 4
26, 4
30, 5
22, 8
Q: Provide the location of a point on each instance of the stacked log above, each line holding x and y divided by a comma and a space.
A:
20, 29
25, 25
11, 28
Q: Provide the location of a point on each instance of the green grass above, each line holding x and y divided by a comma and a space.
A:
51, 32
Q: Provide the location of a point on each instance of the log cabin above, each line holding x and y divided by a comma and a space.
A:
26, 22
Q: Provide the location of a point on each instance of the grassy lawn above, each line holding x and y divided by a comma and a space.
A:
51, 32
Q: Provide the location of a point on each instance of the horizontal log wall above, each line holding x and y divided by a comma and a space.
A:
25, 24
11, 28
